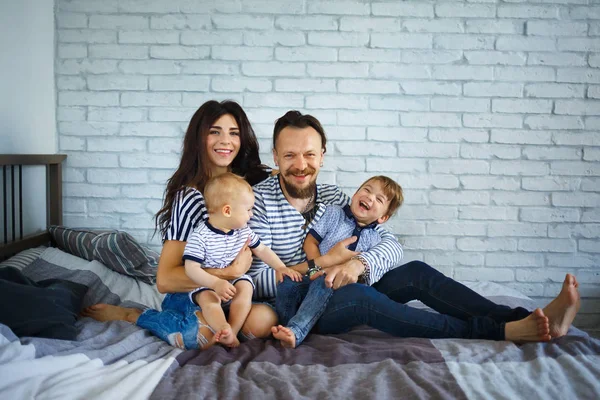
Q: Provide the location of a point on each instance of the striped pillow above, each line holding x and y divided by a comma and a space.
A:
122, 253
74, 241
24, 258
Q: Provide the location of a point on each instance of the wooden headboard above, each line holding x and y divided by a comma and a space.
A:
11, 214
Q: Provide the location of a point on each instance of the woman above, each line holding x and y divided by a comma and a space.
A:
219, 139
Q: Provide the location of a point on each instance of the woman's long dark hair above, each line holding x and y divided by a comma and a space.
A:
194, 169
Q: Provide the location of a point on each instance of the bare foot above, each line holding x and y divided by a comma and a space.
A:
562, 310
226, 337
534, 328
107, 312
285, 336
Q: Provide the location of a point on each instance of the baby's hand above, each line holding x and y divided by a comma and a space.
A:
224, 290
293, 274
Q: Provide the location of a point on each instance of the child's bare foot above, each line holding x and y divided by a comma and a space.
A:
534, 328
107, 312
562, 310
226, 337
285, 336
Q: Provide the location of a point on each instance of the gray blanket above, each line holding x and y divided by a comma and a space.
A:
117, 360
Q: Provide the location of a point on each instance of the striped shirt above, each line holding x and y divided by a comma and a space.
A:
214, 248
282, 227
187, 212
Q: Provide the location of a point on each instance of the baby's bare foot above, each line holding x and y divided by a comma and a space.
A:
534, 328
285, 336
226, 337
562, 310
107, 312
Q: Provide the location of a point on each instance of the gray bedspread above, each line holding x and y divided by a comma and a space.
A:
117, 360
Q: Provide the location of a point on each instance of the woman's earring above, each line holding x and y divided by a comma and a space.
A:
321, 164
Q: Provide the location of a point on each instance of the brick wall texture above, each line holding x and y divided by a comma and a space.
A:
486, 112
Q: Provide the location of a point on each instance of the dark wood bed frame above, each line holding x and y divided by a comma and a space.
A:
12, 164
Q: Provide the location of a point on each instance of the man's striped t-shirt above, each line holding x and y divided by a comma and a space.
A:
283, 228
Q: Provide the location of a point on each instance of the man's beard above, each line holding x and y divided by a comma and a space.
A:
296, 192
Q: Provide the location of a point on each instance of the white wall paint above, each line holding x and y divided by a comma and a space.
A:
27, 94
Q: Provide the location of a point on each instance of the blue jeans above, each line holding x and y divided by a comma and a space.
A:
300, 304
462, 312
177, 323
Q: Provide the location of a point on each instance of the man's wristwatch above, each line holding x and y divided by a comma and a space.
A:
364, 277
312, 268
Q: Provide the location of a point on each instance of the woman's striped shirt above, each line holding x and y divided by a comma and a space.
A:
187, 212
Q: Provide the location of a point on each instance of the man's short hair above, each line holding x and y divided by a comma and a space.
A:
296, 119
391, 189
224, 189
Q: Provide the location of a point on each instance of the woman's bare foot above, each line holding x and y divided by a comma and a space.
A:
285, 336
534, 328
562, 310
107, 312
226, 337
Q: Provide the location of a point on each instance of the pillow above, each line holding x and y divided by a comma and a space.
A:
24, 258
74, 241
122, 253
48, 308
116, 249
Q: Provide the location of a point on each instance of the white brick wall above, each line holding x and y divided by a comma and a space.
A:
485, 111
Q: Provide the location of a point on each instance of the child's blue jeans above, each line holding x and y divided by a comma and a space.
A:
299, 305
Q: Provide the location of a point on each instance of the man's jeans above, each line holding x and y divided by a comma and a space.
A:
300, 304
462, 312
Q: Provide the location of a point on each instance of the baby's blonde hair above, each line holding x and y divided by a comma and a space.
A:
224, 189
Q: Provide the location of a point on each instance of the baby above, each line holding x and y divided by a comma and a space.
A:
374, 203
215, 244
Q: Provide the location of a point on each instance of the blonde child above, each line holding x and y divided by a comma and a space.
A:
215, 244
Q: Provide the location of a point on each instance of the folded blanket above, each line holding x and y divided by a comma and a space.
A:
47, 308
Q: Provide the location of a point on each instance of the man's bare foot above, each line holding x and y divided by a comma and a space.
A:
534, 328
562, 310
285, 336
107, 312
226, 337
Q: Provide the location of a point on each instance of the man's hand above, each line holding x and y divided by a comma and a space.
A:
341, 275
339, 253
224, 290
293, 275
242, 262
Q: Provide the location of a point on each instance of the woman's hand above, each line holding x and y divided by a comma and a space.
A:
241, 264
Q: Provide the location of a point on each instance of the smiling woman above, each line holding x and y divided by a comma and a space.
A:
219, 139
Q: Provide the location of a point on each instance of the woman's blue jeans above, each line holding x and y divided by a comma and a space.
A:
175, 323
300, 304
462, 312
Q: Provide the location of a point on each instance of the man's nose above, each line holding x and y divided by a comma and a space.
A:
300, 163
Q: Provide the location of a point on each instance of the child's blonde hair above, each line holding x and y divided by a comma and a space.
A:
391, 189
224, 189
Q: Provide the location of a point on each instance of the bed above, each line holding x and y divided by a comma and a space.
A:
116, 360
